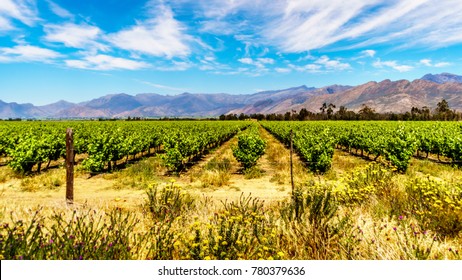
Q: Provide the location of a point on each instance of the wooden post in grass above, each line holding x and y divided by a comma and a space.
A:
69, 166
291, 167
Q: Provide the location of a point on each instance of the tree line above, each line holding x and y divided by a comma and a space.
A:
442, 112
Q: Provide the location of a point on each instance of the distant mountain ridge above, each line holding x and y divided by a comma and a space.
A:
443, 78
384, 96
392, 96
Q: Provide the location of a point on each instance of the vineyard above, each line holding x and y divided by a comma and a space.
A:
395, 142
182, 190
28, 145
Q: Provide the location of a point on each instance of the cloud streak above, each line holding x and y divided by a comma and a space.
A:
72, 35
28, 53
22, 10
105, 62
160, 86
250, 37
296, 26
330, 64
392, 64
162, 36
59, 11
429, 63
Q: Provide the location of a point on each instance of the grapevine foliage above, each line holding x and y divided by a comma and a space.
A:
104, 145
182, 143
393, 142
250, 147
401, 146
314, 142
35, 147
28, 146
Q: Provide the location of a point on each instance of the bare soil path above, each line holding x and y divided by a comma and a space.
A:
270, 181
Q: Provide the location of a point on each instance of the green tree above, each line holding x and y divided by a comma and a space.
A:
323, 108
443, 112
442, 107
330, 110
367, 113
303, 114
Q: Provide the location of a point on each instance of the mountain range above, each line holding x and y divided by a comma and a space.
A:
385, 96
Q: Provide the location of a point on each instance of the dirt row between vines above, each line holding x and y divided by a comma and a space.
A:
270, 181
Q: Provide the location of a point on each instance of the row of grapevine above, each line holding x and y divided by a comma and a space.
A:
29, 144
396, 142
111, 142
314, 142
250, 147
441, 139
187, 142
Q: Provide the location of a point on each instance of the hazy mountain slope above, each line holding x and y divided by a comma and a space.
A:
388, 96
15, 110
443, 78
286, 100
384, 96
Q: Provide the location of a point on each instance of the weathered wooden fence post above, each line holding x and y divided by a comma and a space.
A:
291, 167
69, 166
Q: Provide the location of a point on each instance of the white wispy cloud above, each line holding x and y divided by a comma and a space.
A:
319, 64
310, 68
175, 65
282, 70
220, 9
167, 34
238, 71
160, 86
161, 36
258, 62
306, 57
5, 24
296, 26
181, 65
410, 23
442, 64
430, 25
210, 62
246, 60
221, 27
392, 64
59, 11
368, 53
332, 64
428, 62
22, 10
265, 60
28, 53
249, 42
387, 19
308, 25
72, 35
106, 62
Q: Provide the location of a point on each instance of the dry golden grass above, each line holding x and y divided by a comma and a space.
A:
440, 170
139, 174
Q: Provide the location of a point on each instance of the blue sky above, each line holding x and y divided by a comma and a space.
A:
79, 50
